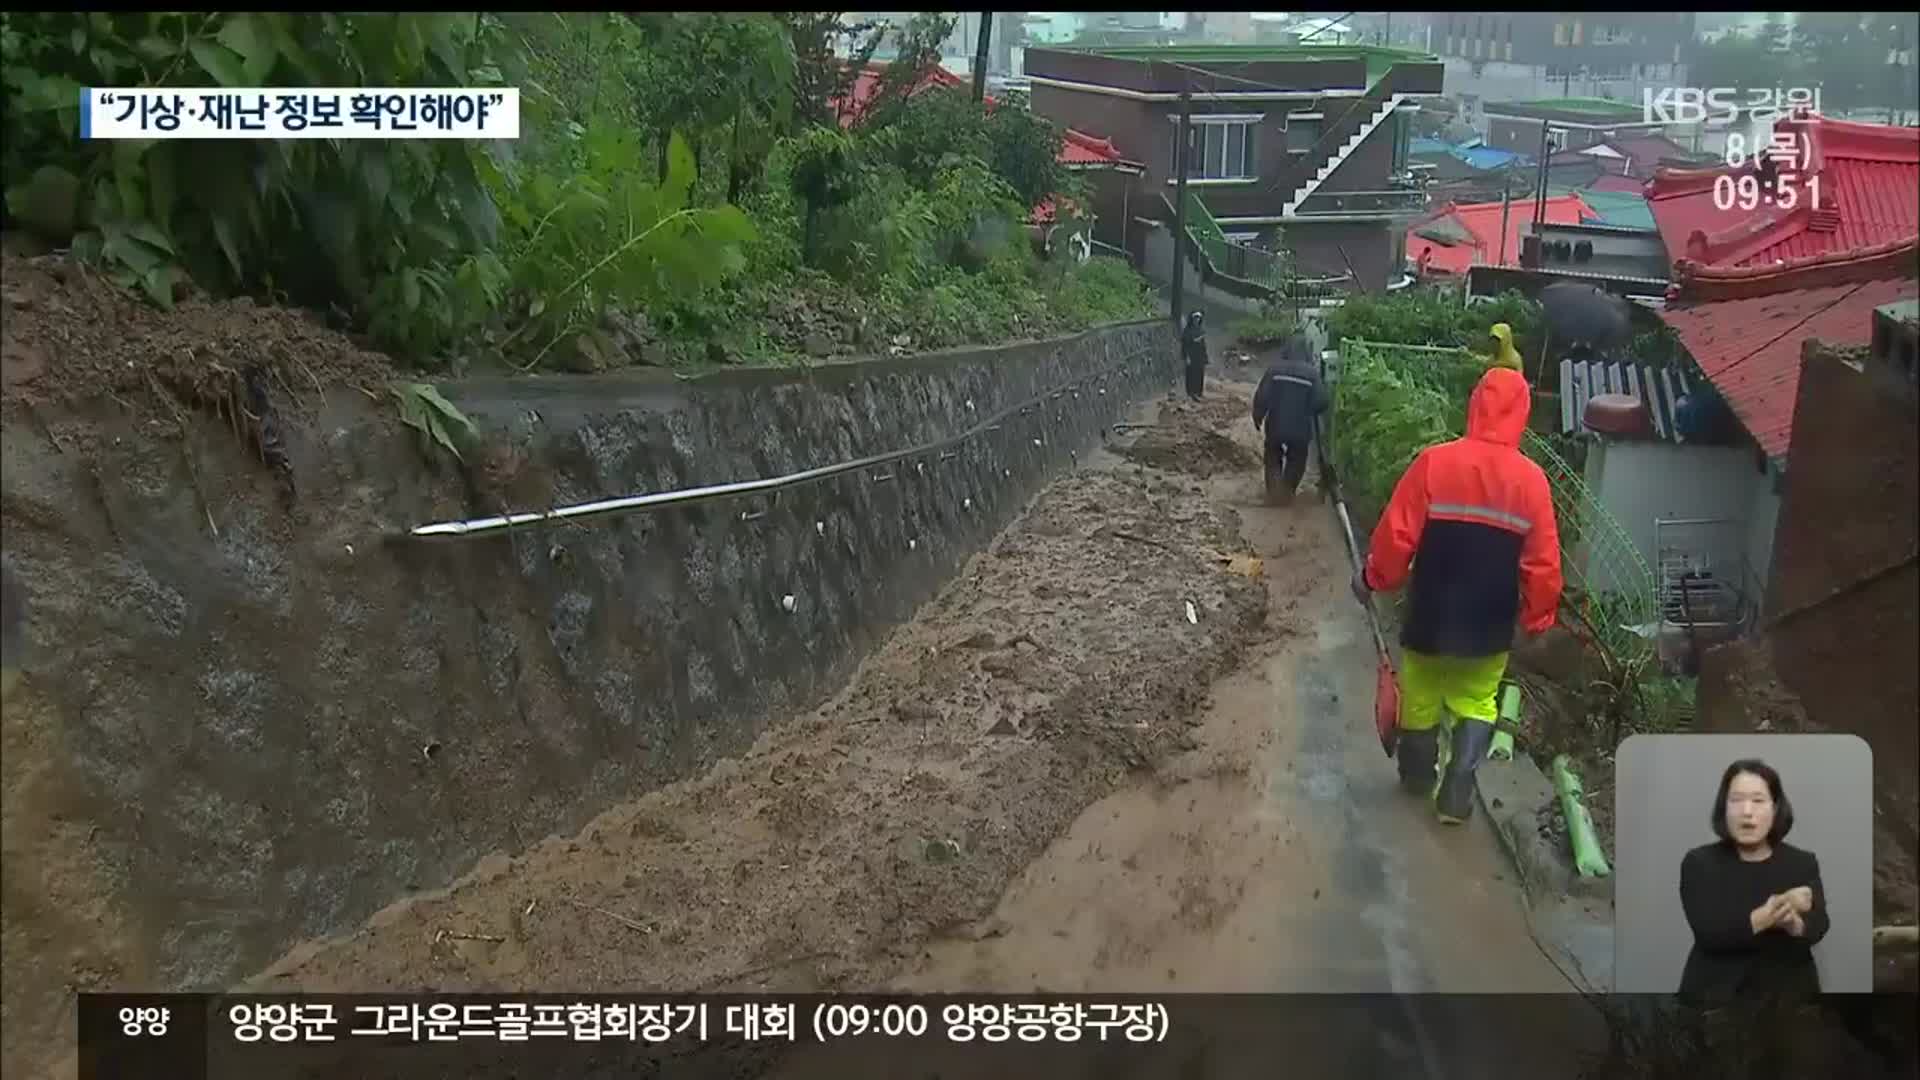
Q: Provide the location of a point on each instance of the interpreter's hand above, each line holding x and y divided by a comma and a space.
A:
1800, 898
1793, 924
1770, 914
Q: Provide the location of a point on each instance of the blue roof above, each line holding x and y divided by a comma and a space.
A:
1487, 157
1429, 146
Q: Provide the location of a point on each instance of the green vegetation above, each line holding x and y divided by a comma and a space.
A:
1595, 107
423, 409
682, 193
1388, 406
1267, 330
1380, 59
1421, 317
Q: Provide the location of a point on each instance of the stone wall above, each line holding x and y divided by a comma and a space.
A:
243, 723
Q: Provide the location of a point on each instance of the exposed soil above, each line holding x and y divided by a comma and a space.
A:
1059, 662
1193, 437
71, 334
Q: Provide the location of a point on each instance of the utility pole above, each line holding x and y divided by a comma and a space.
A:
980, 54
1180, 206
1540, 194
1506, 207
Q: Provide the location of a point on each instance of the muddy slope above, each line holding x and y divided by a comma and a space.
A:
1059, 662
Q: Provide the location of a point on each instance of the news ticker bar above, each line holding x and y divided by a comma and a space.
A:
1489, 1037
269, 112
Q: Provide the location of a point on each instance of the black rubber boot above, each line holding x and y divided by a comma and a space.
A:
1418, 753
1471, 739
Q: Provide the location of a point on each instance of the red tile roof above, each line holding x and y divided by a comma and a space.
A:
866, 86
1482, 222
1869, 194
1080, 148
1076, 147
1745, 326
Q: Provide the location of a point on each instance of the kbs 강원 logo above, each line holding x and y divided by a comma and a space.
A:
1687, 104
1692, 105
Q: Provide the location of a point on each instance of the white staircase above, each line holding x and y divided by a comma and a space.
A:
1353, 141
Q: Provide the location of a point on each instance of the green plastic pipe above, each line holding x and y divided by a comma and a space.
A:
1502, 748
1587, 857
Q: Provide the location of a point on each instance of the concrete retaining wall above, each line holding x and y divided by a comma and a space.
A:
242, 725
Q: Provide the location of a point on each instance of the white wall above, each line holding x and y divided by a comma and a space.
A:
1641, 482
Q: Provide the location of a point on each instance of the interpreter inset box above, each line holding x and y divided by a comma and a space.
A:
1744, 865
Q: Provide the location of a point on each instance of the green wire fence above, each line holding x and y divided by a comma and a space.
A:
1271, 270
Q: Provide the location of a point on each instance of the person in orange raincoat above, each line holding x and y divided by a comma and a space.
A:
1472, 522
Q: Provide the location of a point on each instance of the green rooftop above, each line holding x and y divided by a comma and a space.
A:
1599, 108
1379, 58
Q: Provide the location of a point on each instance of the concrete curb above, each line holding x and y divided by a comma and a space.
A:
1514, 794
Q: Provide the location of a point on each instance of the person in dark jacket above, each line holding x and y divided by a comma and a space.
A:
1289, 401
1471, 521
1754, 901
1193, 346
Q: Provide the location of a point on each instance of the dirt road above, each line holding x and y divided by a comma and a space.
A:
1052, 778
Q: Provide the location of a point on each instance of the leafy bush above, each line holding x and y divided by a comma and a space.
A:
943, 123
609, 204
1102, 291
584, 241
402, 228
1414, 317
1385, 414
1271, 328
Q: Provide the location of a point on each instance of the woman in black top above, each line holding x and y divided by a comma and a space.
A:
1754, 901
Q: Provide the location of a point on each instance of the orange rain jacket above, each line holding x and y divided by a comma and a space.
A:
1473, 520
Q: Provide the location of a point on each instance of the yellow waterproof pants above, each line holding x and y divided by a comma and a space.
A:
1435, 691
1433, 687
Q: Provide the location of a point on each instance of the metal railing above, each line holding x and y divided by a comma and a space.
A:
659, 500
1398, 201
1268, 270
1299, 171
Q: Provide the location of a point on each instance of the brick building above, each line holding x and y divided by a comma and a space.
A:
1306, 140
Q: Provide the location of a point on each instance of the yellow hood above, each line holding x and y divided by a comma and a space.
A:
1504, 354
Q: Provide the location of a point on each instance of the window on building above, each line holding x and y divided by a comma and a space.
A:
1509, 52
1220, 148
1576, 31
1559, 33
1303, 132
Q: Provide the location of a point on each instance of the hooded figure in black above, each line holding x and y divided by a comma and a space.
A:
1193, 346
1287, 406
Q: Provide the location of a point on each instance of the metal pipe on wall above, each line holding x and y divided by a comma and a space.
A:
457, 530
